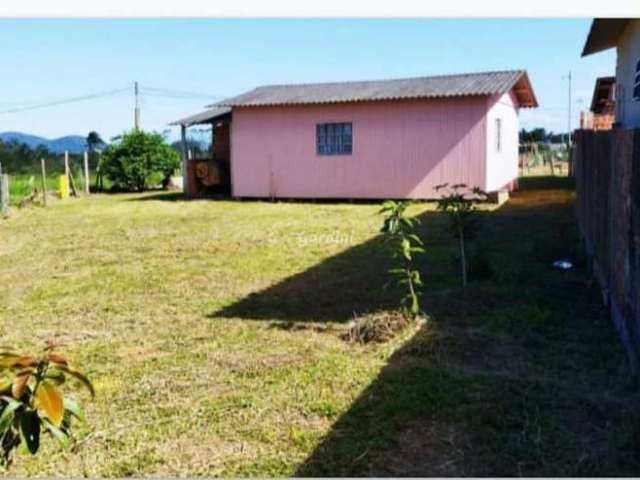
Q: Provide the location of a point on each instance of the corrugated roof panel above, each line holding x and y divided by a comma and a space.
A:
203, 117
487, 83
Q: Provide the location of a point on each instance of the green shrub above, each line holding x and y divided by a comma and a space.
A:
138, 160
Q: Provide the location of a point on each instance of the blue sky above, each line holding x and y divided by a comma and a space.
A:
44, 60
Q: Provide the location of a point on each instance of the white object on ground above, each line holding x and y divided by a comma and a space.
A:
563, 264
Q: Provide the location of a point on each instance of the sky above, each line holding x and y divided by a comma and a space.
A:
50, 60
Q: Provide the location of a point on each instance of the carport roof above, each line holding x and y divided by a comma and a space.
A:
207, 116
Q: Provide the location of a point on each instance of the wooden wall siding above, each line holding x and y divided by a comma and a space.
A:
401, 149
607, 172
221, 141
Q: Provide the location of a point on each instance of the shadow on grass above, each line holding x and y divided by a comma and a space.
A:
519, 374
161, 195
545, 182
352, 283
355, 282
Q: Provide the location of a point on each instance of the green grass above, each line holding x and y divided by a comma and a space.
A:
212, 332
23, 185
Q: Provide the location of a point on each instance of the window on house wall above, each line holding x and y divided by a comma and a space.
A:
498, 134
334, 138
636, 83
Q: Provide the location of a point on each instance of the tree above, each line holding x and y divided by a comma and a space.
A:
459, 202
94, 141
138, 160
533, 136
398, 233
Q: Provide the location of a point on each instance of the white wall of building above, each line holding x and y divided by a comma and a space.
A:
502, 161
628, 109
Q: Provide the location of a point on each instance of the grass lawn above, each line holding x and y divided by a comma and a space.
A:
212, 332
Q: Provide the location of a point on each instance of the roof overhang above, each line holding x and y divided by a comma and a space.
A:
524, 92
604, 34
208, 116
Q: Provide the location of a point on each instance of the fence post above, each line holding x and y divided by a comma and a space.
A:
86, 172
4, 194
44, 182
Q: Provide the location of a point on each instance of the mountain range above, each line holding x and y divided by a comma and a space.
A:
69, 143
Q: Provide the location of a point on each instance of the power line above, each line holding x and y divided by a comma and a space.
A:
65, 101
171, 93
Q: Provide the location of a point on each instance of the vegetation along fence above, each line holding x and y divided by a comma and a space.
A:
607, 170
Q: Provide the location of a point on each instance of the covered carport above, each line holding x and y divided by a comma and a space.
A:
207, 173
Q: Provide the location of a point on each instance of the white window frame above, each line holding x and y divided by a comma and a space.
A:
334, 138
635, 93
498, 134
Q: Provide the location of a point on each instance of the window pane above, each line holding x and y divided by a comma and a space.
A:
334, 138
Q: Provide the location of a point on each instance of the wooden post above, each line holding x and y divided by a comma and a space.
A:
86, 172
72, 184
4, 194
99, 183
44, 182
66, 163
185, 169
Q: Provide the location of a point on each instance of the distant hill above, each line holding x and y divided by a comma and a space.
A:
70, 143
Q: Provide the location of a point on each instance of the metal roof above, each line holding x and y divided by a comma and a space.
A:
486, 83
604, 34
207, 116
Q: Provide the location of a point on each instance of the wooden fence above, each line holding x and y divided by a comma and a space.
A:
606, 166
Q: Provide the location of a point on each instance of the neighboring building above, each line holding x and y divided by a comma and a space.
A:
624, 34
374, 139
603, 104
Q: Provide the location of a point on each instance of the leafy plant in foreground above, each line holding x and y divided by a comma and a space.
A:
459, 202
31, 401
398, 228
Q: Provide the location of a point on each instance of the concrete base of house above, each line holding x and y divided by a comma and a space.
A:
499, 197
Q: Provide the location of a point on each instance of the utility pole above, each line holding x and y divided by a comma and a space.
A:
569, 114
137, 108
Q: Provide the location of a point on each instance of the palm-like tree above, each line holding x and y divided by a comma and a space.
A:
93, 141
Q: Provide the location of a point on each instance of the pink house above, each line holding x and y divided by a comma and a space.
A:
368, 140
